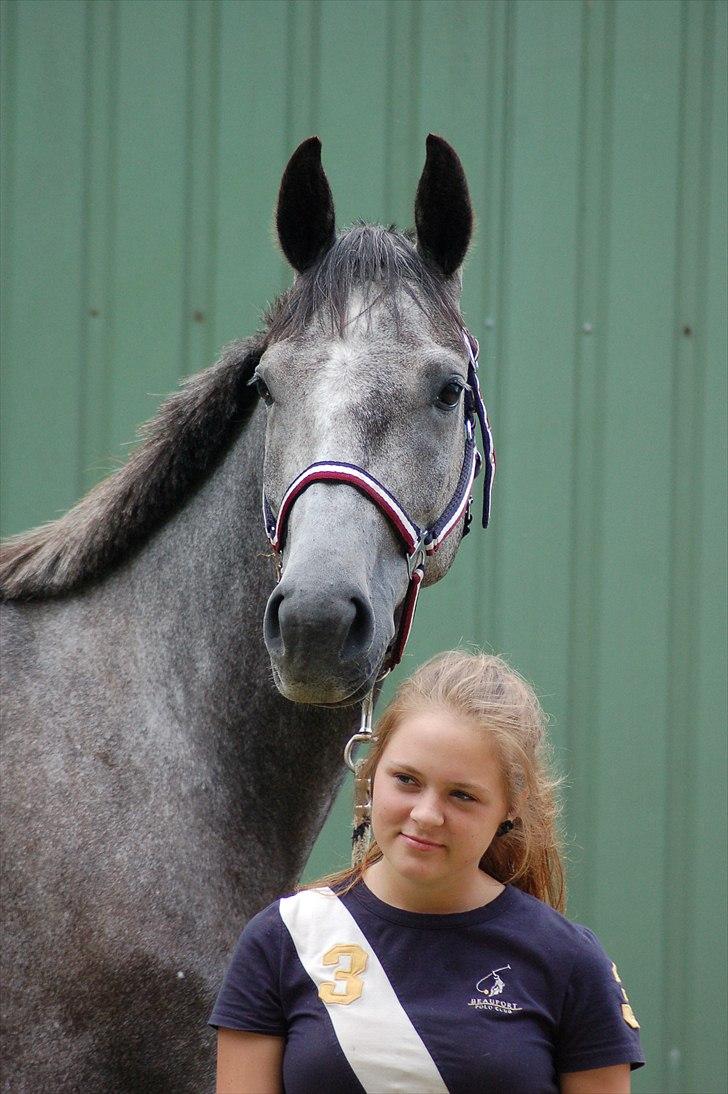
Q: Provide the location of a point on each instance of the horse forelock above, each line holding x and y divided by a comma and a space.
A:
378, 265
179, 447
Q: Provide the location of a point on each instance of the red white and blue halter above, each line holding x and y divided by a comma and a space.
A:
418, 542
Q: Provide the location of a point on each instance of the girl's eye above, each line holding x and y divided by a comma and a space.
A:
463, 796
449, 396
262, 389
405, 780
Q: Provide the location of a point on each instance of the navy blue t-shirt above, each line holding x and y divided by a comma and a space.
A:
504, 998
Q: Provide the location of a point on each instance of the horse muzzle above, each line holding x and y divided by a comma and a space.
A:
324, 644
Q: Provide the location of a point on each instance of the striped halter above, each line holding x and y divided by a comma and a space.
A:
418, 542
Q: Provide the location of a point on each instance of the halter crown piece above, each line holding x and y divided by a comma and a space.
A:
418, 542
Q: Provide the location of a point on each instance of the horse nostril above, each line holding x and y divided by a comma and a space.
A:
298, 626
272, 624
361, 631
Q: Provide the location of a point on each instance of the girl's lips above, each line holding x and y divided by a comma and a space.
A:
421, 844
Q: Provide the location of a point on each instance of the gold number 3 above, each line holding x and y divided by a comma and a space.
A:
347, 984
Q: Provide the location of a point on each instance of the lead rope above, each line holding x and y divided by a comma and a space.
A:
361, 833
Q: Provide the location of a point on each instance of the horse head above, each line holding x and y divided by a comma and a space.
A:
367, 367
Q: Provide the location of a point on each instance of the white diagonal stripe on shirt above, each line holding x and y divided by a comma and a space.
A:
383, 1048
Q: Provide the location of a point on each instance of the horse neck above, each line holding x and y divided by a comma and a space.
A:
154, 685
171, 637
198, 588
203, 577
188, 609
199, 593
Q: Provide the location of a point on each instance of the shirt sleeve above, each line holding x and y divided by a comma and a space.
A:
598, 1027
250, 996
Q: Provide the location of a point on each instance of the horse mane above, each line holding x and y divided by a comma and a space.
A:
195, 426
179, 447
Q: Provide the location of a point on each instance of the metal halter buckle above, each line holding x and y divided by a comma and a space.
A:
364, 736
361, 826
418, 556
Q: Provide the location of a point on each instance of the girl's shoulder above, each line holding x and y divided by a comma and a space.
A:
574, 945
542, 917
264, 925
270, 918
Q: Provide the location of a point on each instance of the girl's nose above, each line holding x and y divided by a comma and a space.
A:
426, 811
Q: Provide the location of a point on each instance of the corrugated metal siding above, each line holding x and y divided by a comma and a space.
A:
142, 148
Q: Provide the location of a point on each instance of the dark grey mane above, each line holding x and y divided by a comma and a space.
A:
381, 262
180, 447
196, 425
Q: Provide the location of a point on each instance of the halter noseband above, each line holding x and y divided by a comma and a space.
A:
418, 542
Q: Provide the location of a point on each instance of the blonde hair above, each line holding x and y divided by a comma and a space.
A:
483, 689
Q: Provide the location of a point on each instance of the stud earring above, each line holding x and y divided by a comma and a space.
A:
504, 828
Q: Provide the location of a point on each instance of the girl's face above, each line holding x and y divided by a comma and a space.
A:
438, 798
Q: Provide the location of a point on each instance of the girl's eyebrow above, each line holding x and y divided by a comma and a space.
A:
410, 770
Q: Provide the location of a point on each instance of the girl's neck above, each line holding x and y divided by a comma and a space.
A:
462, 896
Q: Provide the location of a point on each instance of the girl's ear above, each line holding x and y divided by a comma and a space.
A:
305, 212
443, 213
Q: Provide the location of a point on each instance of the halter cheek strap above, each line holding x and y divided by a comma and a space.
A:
417, 542
482, 415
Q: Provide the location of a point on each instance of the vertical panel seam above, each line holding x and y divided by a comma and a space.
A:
289, 49
288, 119
587, 483
672, 955
83, 394
389, 63
213, 179
696, 457
315, 66
8, 167
483, 331
489, 260
112, 212
604, 242
415, 117
576, 714
692, 199
187, 193
510, 30
486, 163
97, 228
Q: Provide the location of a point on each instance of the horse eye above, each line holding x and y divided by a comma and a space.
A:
450, 394
263, 391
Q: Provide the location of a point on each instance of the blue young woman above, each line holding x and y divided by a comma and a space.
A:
443, 961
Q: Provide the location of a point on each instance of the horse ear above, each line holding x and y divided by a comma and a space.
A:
305, 214
443, 214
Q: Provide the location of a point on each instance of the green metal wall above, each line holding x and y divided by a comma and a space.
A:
142, 148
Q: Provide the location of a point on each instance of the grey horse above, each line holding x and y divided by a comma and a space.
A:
166, 773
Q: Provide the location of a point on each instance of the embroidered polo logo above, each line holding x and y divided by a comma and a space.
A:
347, 984
627, 1012
491, 985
